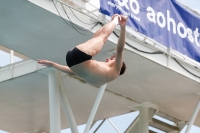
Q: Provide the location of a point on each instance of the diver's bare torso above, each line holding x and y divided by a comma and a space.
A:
94, 72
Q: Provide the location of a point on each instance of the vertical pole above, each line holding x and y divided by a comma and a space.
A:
95, 107
54, 102
193, 117
99, 125
143, 120
67, 108
103, 19
169, 56
134, 127
11, 56
114, 125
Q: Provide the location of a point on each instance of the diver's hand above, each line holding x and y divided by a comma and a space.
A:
45, 63
123, 21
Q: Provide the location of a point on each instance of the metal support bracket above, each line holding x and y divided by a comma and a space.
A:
181, 125
54, 102
65, 102
147, 111
95, 107
67, 107
169, 56
193, 117
174, 132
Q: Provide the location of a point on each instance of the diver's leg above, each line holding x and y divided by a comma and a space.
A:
94, 45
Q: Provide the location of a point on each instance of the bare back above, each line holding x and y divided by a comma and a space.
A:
94, 72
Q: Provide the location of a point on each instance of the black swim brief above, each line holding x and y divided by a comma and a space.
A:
76, 56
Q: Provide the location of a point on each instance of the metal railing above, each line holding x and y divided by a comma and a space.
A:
9, 57
94, 13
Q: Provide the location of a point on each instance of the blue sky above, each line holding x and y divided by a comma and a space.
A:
122, 122
192, 4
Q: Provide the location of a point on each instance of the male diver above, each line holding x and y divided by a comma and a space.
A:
79, 59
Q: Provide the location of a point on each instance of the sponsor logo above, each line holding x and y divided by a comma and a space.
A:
177, 28
131, 8
128, 8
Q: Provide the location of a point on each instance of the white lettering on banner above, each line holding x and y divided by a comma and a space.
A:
190, 37
160, 16
151, 15
172, 21
137, 10
196, 34
125, 3
180, 28
111, 4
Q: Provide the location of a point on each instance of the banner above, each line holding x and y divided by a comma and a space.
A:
165, 21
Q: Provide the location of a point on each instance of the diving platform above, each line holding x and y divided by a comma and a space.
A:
34, 28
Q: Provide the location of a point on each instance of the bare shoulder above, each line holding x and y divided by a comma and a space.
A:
116, 72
